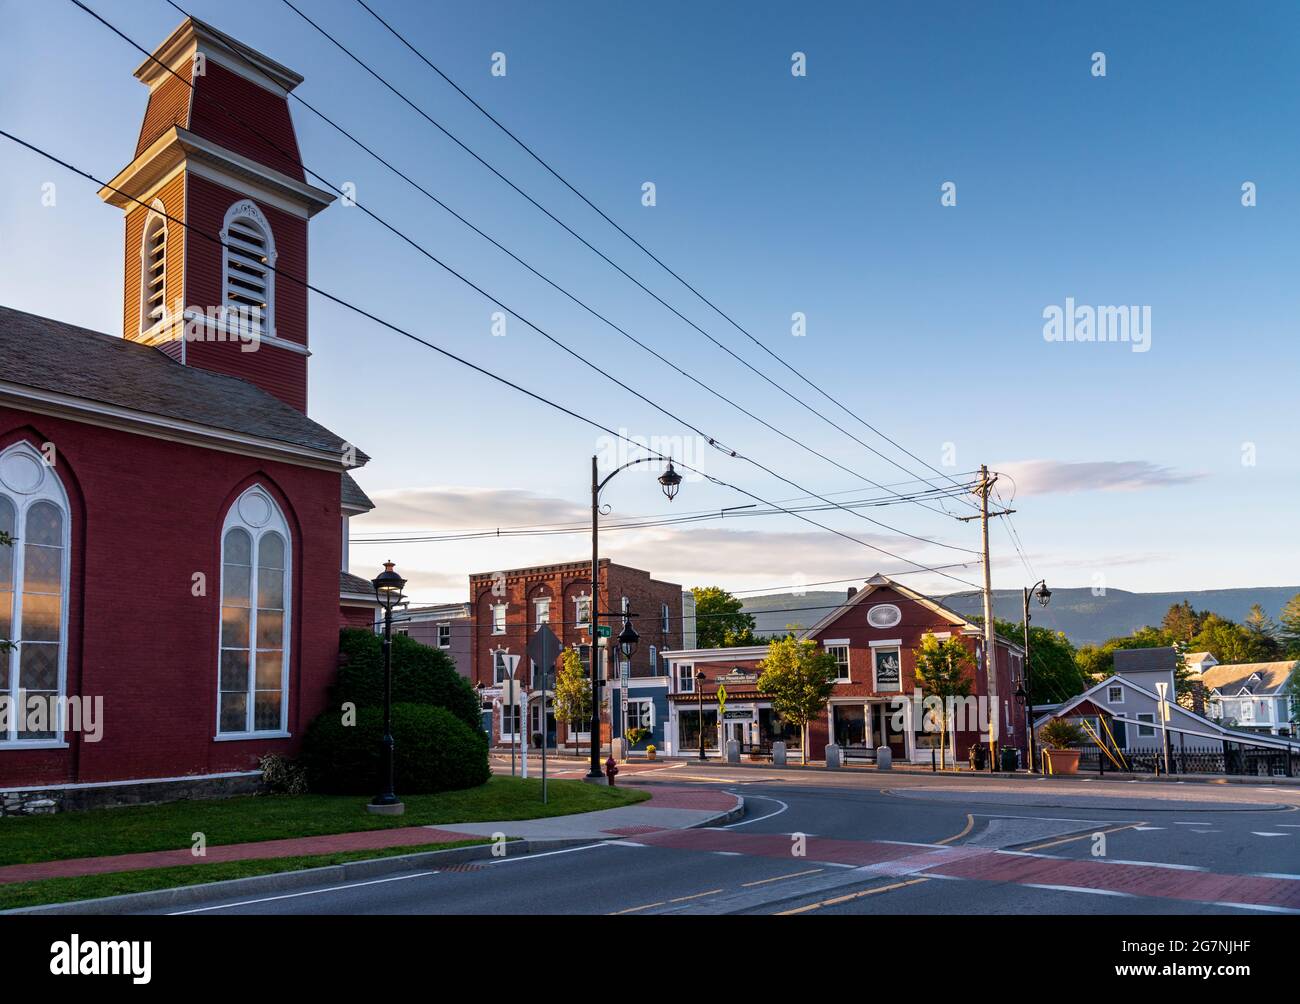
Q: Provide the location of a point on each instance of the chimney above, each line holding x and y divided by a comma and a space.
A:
853, 591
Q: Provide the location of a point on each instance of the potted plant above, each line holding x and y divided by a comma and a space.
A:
650, 752
1059, 739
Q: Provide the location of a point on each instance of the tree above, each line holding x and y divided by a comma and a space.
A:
943, 669
1054, 670
1228, 641
1289, 628
719, 620
573, 704
1263, 634
799, 677
1182, 622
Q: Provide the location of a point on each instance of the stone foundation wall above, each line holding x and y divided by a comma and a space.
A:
41, 801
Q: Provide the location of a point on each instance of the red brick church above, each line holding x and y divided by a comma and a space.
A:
179, 522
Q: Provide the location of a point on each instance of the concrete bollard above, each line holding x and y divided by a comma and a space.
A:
884, 758
778, 754
733, 751
834, 758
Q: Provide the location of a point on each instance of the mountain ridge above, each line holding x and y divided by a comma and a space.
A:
1086, 618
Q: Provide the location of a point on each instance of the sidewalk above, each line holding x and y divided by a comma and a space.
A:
668, 808
819, 766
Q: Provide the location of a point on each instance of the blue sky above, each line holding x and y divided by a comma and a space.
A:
775, 194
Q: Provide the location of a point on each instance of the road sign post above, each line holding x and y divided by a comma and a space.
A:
544, 649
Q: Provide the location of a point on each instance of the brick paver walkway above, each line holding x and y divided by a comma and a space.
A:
662, 797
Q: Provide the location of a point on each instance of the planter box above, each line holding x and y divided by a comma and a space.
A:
1062, 761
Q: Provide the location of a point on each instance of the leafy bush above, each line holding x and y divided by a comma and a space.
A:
433, 751
1059, 734
421, 675
282, 776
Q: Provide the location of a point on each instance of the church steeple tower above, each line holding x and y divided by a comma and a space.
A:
217, 160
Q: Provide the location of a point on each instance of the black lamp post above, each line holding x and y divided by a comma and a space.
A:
388, 590
699, 696
1025, 693
670, 481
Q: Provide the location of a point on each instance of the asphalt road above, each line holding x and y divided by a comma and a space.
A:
813, 842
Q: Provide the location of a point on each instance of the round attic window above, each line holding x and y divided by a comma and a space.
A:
255, 508
884, 615
21, 472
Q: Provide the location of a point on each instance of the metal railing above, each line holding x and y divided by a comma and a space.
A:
1224, 758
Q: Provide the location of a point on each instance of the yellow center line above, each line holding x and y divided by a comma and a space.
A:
850, 896
1081, 836
779, 878
970, 825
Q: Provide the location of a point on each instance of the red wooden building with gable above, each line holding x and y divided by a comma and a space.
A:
873, 636
179, 523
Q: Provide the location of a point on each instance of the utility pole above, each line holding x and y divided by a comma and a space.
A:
990, 635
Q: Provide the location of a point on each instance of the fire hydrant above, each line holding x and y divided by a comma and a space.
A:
611, 769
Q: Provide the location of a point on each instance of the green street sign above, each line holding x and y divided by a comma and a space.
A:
603, 630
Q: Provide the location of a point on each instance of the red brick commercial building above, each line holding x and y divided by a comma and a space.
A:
180, 524
507, 607
873, 636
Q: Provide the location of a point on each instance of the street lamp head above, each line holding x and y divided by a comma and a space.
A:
671, 481
388, 587
1020, 694
1044, 594
699, 676
627, 639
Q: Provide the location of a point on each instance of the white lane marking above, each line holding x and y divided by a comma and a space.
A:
1269, 833
1147, 829
729, 854
309, 892
1278, 875
1079, 888
1258, 906
623, 843
913, 843
746, 822
547, 854
1156, 864
1290, 826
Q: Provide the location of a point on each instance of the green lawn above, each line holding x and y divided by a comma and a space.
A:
17, 895
26, 839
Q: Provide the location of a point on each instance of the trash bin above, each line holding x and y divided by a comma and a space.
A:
1010, 758
977, 756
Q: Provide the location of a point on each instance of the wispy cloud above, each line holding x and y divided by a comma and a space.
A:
1043, 477
463, 508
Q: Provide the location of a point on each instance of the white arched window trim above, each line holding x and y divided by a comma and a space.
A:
257, 514
155, 225
26, 478
247, 213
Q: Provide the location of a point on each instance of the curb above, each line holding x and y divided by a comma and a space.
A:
281, 881
350, 872
911, 771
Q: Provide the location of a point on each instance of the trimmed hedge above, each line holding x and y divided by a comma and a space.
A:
433, 751
421, 675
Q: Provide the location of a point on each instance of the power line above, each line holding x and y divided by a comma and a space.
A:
629, 523
446, 132
731, 510
712, 441
340, 301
